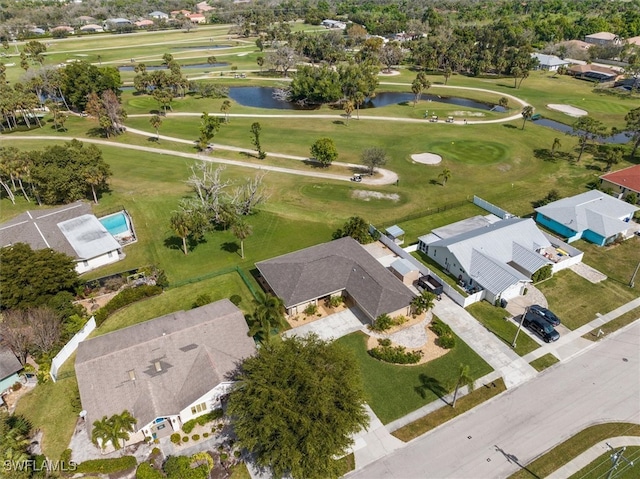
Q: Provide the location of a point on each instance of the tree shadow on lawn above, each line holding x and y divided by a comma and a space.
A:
175, 243
153, 139
339, 122
427, 383
510, 126
246, 154
230, 247
313, 163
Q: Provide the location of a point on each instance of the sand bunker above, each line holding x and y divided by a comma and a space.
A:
367, 195
389, 74
427, 158
568, 110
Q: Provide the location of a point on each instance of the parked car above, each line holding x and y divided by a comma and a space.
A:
539, 326
547, 315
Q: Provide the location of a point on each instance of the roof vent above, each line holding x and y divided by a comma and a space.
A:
158, 366
132, 375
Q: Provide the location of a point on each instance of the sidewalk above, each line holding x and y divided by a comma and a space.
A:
594, 453
514, 369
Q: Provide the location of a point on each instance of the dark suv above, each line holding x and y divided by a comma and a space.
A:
541, 327
545, 314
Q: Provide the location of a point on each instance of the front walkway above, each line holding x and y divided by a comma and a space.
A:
514, 369
333, 326
373, 443
587, 272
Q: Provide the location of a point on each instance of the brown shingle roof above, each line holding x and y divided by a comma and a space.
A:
196, 349
628, 178
342, 264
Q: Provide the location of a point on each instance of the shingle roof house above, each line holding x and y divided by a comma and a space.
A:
594, 216
549, 62
9, 368
342, 265
69, 229
164, 371
499, 256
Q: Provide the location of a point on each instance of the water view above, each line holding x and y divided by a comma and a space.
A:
619, 138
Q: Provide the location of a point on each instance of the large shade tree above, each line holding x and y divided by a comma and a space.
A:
633, 128
296, 405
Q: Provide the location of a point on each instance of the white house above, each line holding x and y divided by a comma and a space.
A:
164, 371
158, 15
486, 253
69, 229
549, 62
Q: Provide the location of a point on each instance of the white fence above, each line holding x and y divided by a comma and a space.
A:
491, 208
71, 347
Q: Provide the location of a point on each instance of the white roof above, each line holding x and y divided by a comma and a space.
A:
603, 36
594, 210
488, 253
549, 60
88, 237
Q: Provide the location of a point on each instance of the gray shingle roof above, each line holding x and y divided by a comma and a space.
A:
594, 210
342, 264
9, 364
197, 350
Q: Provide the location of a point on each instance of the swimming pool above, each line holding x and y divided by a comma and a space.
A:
116, 224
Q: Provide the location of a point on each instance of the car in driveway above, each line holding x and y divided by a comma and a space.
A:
545, 314
539, 326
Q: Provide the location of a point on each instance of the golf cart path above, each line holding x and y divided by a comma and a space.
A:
387, 178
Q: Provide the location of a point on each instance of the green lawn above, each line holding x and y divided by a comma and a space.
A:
543, 362
177, 299
613, 325
50, 409
602, 466
492, 318
393, 391
573, 447
576, 301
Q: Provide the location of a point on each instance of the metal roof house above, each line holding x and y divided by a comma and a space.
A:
623, 182
549, 62
485, 253
340, 267
164, 371
594, 216
69, 229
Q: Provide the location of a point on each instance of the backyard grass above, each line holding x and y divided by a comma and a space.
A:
600, 467
179, 299
543, 362
492, 318
240, 471
393, 391
49, 408
446, 413
576, 301
613, 325
573, 447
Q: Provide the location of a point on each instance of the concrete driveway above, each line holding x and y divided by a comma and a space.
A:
517, 305
333, 326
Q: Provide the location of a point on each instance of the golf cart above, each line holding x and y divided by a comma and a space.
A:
356, 178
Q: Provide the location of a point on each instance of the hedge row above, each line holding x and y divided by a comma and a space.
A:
107, 466
147, 471
188, 426
123, 298
446, 338
395, 354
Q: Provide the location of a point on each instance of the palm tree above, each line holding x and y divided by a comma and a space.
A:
358, 99
260, 62
122, 425
527, 113
268, 314
464, 379
101, 432
348, 109
555, 146
445, 176
181, 226
211, 60
94, 177
504, 102
241, 230
226, 106
423, 303
156, 122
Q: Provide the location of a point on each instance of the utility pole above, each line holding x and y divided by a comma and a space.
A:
513, 345
616, 457
633, 276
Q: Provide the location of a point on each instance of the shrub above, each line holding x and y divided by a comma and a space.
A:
235, 299
382, 323
447, 342
147, 471
543, 273
195, 437
384, 342
201, 300
311, 309
124, 298
335, 301
107, 466
395, 354
446, 338
16, 386
175, 438
205, 435
185, 438
155, 451
189, 425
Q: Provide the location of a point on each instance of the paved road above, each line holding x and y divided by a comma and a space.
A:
601, 385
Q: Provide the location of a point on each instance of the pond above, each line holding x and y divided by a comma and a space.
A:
130, 68
619, 138
262, 97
